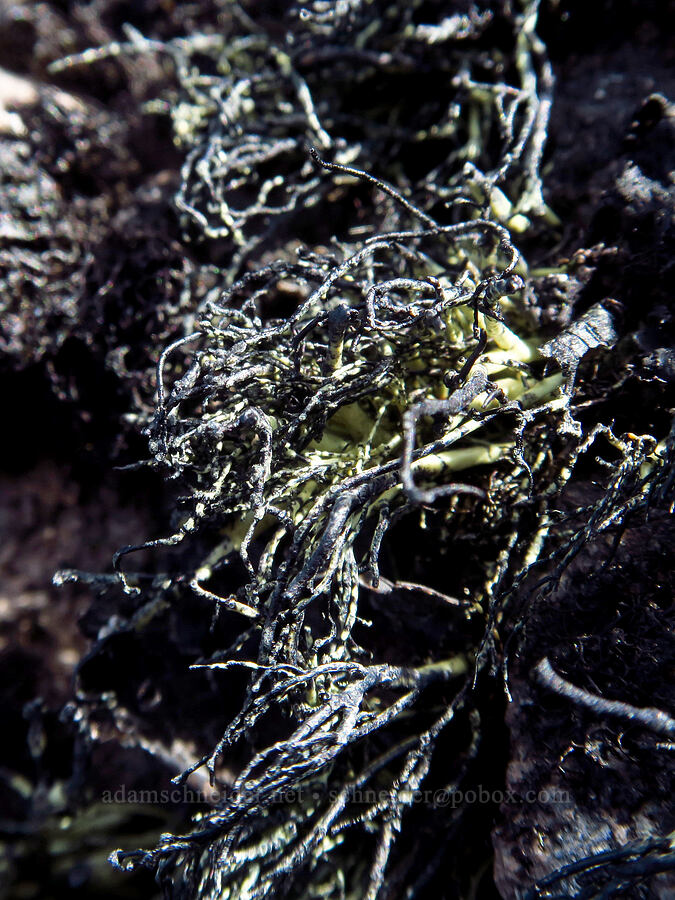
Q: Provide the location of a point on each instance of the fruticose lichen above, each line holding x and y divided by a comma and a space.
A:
370, 360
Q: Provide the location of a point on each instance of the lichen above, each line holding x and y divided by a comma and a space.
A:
370, 356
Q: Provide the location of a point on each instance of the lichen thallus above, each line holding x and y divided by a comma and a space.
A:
304, 439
